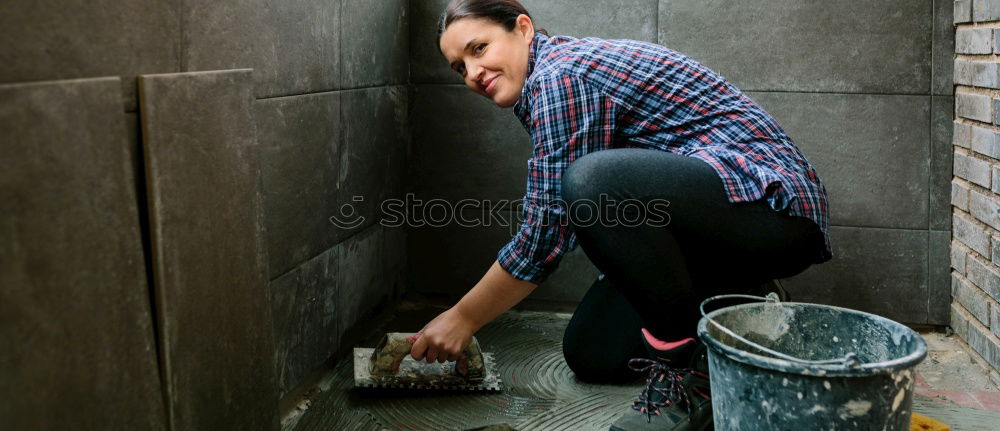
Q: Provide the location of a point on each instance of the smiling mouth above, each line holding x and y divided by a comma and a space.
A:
491, 85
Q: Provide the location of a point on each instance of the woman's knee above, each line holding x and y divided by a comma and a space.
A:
580, 177
591, 367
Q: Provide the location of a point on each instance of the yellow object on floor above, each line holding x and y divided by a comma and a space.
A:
919, 422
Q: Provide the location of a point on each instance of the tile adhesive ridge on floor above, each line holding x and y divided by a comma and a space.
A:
539, 391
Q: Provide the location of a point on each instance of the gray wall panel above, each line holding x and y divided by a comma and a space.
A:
862, 146
208, 252
943, 47
301, 138
375, 43
77, 330
851, 46
218, 35
939, 277
375, 129
453, 258
882, 271
42, 40
297, 48
942, 151
464, 146
362, 284
305, 308
615, 19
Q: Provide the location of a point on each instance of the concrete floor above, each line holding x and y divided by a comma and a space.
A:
541, 393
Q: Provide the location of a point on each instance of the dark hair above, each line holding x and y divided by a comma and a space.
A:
503, 12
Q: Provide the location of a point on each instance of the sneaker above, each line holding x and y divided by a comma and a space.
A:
677, 395
772, 286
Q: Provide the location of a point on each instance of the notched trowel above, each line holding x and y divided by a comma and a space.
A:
389, 365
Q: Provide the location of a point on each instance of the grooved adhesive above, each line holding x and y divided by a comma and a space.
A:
539, 390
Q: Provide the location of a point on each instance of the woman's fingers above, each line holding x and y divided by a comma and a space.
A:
419, 347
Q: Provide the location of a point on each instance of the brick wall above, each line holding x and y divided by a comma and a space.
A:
975, 191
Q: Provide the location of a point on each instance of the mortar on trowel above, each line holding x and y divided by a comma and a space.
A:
389, 365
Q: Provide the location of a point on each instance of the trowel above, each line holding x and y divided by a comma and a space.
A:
389, 365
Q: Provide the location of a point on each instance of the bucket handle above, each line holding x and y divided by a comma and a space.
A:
850, 360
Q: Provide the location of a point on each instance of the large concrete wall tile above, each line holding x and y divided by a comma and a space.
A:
208, 252
570, 281
881, 271
79, 347
452, 258
615, 19
41, 40
394, 258
939, 277
297, 48
375, 44
304, 304
851, 46
221, 35
942, 151
851, 140
375, 132
362, 283
943, 48
465, 147
300, 139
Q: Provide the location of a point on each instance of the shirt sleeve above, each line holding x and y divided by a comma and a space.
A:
569, 118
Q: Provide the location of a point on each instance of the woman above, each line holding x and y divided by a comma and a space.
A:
629, 121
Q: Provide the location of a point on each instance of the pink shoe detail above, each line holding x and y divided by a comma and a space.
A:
663, 345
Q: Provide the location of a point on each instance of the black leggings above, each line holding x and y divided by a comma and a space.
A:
655, 275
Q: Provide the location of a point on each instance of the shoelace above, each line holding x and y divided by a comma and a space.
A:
672, 391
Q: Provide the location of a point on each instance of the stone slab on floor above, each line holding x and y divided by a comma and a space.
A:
203, 171
76, 327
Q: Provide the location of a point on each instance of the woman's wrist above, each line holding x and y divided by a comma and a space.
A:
496, 293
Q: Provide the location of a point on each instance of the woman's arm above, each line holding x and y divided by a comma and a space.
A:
497, 292
447, 336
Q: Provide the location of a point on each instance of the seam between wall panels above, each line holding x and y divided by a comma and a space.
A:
930, 159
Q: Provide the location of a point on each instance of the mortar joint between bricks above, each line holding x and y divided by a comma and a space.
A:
978, 57
976, 123
981, 24
978, 91
967, 216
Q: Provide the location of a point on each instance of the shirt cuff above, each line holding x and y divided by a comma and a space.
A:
519, 267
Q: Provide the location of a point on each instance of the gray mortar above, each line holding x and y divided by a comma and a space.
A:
539, 391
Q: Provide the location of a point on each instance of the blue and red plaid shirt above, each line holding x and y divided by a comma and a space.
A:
590, 94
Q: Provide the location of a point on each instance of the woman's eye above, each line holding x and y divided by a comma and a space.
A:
481, 45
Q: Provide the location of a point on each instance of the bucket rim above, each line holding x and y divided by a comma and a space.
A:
833, 370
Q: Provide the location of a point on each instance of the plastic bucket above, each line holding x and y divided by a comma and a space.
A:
797, 366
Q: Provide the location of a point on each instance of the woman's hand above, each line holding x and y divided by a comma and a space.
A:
443, 339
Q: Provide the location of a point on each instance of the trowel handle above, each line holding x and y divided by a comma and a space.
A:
395, 346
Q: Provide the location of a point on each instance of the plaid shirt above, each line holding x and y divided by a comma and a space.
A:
590, 94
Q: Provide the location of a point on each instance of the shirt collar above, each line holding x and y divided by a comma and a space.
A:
536, 45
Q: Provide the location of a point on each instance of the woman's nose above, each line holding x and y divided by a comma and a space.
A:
475, 73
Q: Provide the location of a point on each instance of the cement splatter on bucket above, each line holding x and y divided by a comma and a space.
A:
798, 366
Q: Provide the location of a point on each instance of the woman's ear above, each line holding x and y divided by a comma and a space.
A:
525, 26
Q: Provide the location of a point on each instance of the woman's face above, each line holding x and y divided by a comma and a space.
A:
492, 61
